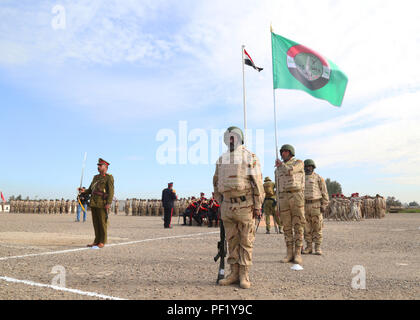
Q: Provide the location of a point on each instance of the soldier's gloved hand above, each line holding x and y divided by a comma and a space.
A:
278, 163
257, 214
322, 209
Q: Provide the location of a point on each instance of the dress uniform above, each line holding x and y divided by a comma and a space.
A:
102, 191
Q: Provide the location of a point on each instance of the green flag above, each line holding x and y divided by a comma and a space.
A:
298, 67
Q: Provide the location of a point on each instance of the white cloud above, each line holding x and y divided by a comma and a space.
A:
384, 133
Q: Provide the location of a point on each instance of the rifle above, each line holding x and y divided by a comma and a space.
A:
221, 254
258, 224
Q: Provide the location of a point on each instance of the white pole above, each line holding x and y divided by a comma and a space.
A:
243, 83
275, 121
274, 97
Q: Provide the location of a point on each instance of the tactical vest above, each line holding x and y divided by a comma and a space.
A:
269, 189
235, 170
312, 188
291, 181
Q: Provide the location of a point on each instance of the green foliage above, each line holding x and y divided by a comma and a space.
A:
392, 202
333, 187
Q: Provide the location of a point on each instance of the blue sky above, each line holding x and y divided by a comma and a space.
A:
121, 72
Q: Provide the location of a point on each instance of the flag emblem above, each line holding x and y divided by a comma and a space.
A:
298, 67
308, 67
249, 62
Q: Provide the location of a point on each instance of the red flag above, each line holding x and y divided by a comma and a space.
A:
2, 197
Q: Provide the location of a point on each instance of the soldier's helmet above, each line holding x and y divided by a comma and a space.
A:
288, 147
309, 162
267, 179
233, 130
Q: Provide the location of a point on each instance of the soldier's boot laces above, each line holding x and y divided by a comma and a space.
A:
289, 256
298, 257
244, 277
308, 249
318, 250
233, 277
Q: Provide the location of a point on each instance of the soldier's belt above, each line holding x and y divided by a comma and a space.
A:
238, 199
100, 193
312, 201
294, 191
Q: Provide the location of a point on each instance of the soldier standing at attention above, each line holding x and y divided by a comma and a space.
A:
269, 206
290, 181
102, 190
116, 205
316, 201
127, 207
168, 198
238, 187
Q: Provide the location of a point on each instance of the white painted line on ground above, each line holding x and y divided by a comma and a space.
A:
106, 246
76, 291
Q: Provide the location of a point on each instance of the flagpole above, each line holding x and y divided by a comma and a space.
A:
274, 97
275, 122
243, 84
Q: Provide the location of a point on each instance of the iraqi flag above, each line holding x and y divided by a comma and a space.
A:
2, 197
248, 61
298, 67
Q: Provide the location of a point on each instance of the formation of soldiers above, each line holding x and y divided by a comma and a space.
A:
198, 209
43, 206
135, 207
355, 208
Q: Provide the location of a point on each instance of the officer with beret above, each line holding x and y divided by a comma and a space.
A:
102, 193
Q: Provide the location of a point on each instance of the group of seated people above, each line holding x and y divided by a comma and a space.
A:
202, 209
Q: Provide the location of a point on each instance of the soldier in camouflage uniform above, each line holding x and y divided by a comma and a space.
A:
290, 181
316, 201
238, 187
143, 207
379, 207
116, 205
269, 206
127, 207
102, 190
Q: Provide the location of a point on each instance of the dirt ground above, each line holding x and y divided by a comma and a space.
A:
147, 262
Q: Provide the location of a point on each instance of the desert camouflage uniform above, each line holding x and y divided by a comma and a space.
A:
270, 206
316, 201
238, 187
290, 181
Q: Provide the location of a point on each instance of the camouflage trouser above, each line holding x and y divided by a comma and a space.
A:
270, 210
313, 226
239, 226
292, 215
